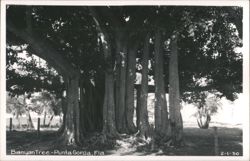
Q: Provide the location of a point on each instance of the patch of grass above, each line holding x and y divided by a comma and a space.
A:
198, 142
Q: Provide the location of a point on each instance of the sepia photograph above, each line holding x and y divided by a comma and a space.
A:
142, 81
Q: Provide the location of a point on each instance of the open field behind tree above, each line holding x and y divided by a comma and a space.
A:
229, 115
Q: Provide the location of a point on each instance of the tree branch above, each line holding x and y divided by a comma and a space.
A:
104, 37
100, 27
45, 51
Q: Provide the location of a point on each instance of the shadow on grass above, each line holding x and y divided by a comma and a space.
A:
198, 142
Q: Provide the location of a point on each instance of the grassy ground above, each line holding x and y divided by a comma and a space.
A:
197, 142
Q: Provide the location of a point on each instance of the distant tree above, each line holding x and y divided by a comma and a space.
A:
207, 106
45, 103
18, 106
15, 106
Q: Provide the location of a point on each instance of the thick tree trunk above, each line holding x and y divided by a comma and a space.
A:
161, 114
117, 85
71, 133
99, 96
121, 93
82, 106
93, 105
43, 49
143, 123
64, 111
130, 107
109, 127
109, 124
174, 95
89, 107
138, 107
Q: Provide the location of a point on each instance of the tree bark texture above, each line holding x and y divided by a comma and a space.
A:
90, 106
109, 126
130, 90
71, 133
82, 107
161, 114
121, 93
64, 111
138, 106
143, 123
174, 94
